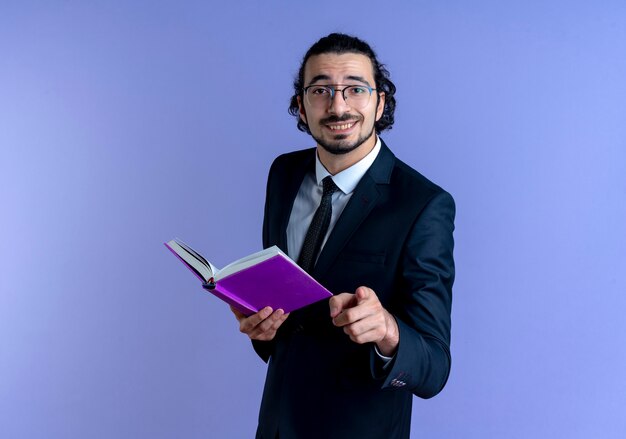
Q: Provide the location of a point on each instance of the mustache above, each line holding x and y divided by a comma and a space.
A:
337, 119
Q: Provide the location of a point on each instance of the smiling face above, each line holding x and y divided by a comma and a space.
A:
337, 127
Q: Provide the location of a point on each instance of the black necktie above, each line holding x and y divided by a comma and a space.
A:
318, 228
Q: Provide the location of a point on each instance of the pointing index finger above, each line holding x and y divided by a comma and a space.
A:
362, 293
339, 302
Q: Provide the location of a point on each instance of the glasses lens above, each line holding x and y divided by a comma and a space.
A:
318, 95
357, 96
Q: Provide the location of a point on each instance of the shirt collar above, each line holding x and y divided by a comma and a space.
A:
347, 179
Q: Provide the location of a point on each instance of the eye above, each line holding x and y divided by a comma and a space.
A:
357, 90
319, 91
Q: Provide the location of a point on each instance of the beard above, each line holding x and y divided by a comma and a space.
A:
338, 145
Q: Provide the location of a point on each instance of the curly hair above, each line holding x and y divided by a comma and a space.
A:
340, 44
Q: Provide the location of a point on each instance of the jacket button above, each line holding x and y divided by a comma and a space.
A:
298, 329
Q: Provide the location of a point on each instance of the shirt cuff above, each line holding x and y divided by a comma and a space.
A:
386, 360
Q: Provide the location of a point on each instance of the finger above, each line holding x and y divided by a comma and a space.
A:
368, 308
268, 323
270, 333
365, 337
248, 324
362, 294
353, 314
279, 322
373, 327
339, 302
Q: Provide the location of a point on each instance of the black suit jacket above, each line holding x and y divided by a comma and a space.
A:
394, 236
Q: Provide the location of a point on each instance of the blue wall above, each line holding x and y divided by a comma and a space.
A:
123, 125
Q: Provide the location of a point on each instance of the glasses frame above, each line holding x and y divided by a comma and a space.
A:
333, 91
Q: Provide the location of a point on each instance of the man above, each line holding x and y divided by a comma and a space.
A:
378, 235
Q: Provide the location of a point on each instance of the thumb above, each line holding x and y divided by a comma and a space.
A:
339, 302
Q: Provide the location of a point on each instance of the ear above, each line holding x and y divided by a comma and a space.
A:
381, 105
301, 110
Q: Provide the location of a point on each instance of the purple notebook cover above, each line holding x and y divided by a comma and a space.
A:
275, 282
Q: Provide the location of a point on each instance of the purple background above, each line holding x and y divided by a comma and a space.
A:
124, 125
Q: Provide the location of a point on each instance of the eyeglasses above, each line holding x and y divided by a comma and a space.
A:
356, 96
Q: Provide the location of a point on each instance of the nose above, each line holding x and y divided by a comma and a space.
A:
338, 104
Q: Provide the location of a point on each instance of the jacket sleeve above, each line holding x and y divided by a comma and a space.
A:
263, 349
422, 361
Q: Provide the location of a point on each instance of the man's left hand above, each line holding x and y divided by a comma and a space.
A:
363, 318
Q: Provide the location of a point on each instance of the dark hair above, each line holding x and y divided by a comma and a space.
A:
339, 44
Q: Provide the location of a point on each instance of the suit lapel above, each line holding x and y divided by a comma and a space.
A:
361, 203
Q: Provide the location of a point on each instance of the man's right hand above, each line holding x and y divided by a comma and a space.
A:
262, 325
